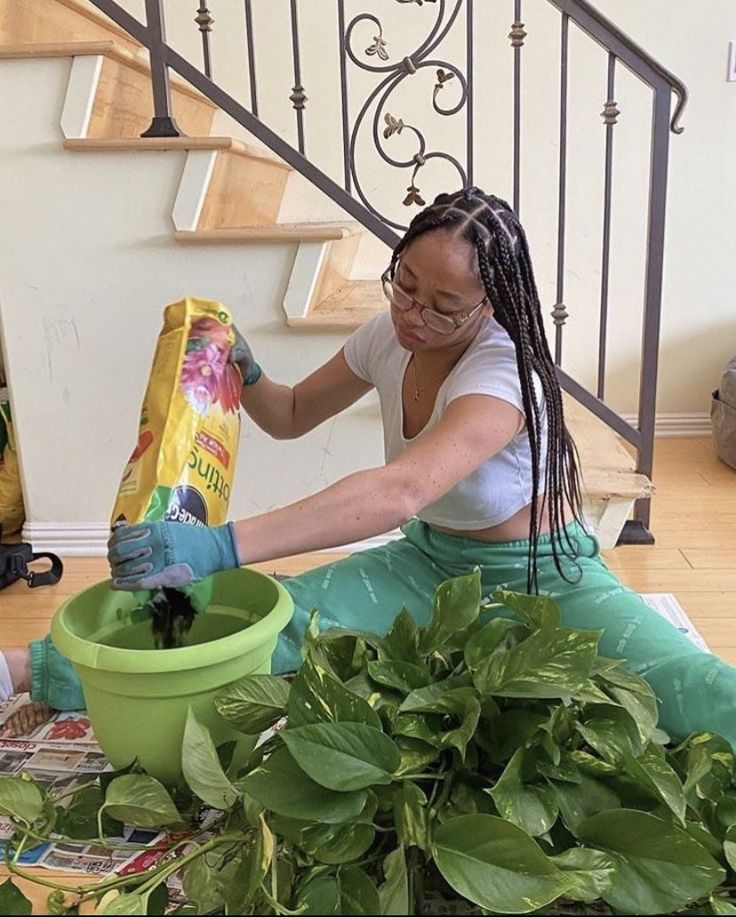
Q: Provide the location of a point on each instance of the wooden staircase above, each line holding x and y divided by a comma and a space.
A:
611, 483
232, 193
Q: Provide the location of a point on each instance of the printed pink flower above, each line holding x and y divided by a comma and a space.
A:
210, 331
229, 391
201, 376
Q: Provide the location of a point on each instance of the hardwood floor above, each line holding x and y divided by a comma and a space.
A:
694, 522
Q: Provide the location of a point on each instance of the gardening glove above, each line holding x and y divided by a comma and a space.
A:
242, 356
152, 555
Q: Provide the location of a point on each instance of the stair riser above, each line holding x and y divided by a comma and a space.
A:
124, 105
606, 518
243, 191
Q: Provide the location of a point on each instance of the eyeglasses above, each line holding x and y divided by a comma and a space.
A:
437, 321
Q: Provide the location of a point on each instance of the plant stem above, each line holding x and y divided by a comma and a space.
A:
278, 907
423, 777
76, 789
53, 838
31, 877
167, 869
416, 884
444, 795
274, 881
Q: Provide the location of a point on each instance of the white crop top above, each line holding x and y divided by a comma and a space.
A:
502, 485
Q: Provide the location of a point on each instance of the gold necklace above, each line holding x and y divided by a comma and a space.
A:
417, 389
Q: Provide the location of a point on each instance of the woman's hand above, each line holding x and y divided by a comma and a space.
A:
155, 554
242, 356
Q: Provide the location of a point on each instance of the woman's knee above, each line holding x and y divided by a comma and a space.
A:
631, 629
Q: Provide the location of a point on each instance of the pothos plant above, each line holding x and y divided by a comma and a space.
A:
492, 759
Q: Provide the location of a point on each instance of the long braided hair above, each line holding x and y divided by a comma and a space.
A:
505, 268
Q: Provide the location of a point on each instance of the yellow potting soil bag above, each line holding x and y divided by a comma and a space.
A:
12, 510
183, 464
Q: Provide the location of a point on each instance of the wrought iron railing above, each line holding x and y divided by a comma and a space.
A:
373, 117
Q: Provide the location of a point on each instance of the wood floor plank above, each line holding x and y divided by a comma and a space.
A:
680, 580
710, 605
644, 557
711, 559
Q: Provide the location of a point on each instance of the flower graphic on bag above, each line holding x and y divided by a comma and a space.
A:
206, 375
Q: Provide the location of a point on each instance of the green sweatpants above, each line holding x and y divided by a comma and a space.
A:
696, 690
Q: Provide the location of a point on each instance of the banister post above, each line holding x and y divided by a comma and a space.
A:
163, 124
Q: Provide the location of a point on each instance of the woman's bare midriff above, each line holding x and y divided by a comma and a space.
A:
516, 528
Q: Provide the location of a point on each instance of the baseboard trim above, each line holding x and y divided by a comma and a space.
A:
677, 424
89, 539
70, 539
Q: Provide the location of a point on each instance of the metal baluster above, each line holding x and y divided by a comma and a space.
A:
204, 21
610, 115
251, 57
469, 109
163, 124
297, 97
344, 91
560, 313
517, 36
652, 301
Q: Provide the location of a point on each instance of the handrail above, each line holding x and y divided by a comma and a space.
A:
351, 198
608, 34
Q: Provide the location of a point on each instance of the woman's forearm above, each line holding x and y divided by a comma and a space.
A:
359, 506
271, 406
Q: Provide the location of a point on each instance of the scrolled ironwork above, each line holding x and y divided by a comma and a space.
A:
386, 124
379, 46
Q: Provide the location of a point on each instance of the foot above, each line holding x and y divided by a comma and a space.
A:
18, 659
32, 715
25, 720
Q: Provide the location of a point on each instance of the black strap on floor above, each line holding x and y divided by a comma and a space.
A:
45, 577
15, 560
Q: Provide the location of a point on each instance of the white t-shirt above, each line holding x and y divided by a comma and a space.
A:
502, 485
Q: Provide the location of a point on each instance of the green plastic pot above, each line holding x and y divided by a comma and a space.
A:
137, 696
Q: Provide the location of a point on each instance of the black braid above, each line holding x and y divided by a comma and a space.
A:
505, 268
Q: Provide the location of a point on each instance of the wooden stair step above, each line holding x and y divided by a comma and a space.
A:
350, 306
225, 144
610, 481
19, 50
627, 485
608, 467
278, 232
107, 48
42, 21
603, 448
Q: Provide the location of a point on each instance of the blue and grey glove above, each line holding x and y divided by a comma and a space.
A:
242, 356
152, 555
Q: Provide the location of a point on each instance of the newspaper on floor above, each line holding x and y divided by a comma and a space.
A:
665, 604
60, 755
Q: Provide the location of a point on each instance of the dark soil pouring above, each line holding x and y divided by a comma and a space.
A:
172, 616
